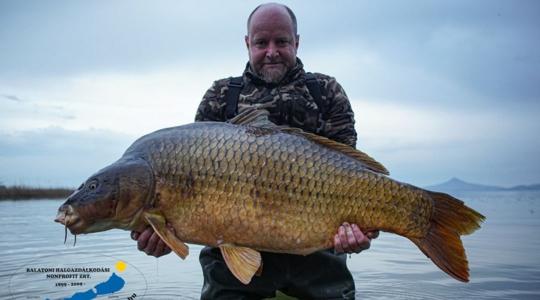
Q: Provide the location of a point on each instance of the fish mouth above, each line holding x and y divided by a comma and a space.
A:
71, 220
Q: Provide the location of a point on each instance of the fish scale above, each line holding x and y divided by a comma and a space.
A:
252, 186
279, 160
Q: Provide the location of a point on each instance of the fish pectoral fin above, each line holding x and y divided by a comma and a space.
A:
242, 262
157, 221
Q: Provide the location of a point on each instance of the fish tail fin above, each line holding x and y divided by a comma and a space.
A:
442, 244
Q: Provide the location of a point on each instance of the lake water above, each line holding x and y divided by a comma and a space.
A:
504, 257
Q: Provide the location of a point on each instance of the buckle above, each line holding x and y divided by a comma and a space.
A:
235, 84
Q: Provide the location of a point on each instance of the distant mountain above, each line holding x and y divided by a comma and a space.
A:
456, 184
525, 187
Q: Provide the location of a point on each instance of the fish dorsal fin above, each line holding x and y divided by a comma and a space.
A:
365, 159
253, 117
157, 221
259, 117
242, 262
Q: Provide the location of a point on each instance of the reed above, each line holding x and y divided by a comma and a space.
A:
20, 192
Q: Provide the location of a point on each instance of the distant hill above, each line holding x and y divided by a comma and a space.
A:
456, 184
525, 187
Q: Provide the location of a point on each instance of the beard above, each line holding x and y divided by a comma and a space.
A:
273, 74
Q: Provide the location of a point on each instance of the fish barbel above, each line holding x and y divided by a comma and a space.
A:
249, 186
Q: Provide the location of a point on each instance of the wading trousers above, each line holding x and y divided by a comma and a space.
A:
321, 275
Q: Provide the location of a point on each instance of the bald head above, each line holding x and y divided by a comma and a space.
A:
272, 41
277, 9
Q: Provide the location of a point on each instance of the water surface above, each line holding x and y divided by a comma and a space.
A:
504, 258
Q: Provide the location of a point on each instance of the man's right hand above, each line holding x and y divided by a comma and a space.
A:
150, 243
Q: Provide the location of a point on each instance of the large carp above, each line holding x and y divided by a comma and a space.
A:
249, 186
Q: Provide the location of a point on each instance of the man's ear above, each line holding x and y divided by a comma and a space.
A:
297, 43
246, 39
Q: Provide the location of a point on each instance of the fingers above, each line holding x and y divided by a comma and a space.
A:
150, 243
338, 247
350, 239
345, 239
142, 239
372, 234
162, 249
135, 235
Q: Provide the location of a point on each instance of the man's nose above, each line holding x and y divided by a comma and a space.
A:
272, 51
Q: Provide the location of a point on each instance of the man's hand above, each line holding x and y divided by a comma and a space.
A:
150, 243
350, 239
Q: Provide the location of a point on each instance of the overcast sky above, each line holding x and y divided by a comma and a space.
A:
439, 88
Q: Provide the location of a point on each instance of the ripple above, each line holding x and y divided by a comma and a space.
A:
504, 255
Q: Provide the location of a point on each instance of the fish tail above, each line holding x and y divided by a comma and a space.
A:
442, 244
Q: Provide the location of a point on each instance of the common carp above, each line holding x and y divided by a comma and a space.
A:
249, 185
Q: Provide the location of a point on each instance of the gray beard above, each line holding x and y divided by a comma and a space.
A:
273, 76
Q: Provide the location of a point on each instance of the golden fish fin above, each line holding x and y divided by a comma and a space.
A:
442, 244
259, 118
242, 262
254, 117
365, 159
157, 221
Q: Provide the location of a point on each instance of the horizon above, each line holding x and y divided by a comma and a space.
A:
424, 186
439, 90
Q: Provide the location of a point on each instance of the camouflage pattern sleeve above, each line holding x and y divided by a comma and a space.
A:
212, 104
339, 116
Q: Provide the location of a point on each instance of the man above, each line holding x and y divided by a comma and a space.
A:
274, 80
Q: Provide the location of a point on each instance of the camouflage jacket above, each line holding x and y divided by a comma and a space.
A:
289, 103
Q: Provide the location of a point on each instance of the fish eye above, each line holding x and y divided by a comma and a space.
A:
93, 185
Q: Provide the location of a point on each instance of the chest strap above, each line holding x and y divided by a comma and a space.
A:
231, 96
314, 90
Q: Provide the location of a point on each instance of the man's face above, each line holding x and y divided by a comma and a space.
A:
271, 43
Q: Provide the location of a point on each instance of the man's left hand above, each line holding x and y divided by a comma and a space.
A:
350, 239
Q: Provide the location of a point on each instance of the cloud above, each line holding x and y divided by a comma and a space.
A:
132, 103
439, 90
32, 111
484, 48
77, 37
12, 98
57, 157
426, 145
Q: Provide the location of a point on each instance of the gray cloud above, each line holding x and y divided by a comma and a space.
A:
55, 156
65, 37
12, 98
486, 47
471, 56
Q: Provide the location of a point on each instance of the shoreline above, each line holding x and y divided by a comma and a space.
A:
27, 192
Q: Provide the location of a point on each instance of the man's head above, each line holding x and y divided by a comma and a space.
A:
272, 41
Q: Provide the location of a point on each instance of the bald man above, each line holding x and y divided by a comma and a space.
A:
274, 79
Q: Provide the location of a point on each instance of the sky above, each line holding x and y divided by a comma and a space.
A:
440, 89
